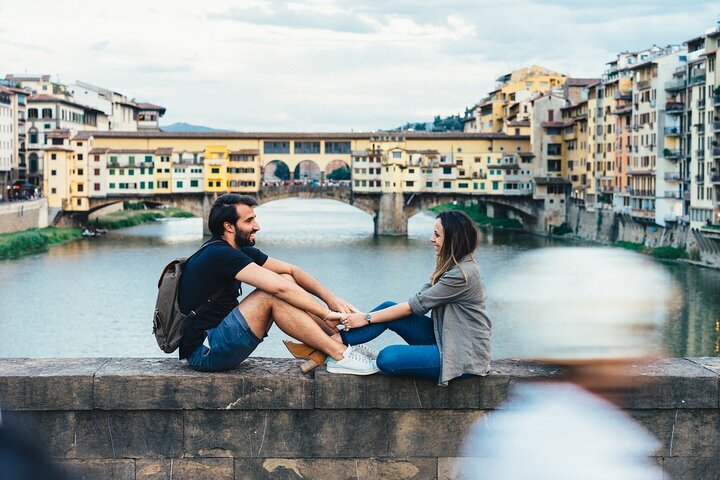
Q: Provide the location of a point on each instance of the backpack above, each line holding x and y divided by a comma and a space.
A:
169, 322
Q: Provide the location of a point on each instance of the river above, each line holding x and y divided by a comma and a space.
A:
94, 297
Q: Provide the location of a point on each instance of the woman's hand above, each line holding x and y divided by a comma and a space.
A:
355, 320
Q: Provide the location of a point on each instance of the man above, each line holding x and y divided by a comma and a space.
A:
224, 332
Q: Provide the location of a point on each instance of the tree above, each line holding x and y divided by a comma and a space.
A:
342, 173
282, 171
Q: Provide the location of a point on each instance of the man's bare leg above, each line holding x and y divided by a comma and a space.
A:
260, 309
332, 332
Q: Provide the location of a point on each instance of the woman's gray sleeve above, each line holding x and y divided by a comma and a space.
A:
451, 286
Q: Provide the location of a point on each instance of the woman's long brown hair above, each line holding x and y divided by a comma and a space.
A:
461, 239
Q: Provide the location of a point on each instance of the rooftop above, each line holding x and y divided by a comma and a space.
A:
416, 135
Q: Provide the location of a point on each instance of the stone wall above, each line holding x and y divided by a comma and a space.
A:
144, 419
606, 227
19, 216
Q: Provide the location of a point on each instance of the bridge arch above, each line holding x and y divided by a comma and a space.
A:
307, 171
336, 164
276, 171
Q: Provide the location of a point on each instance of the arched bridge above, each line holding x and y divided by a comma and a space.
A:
390, 211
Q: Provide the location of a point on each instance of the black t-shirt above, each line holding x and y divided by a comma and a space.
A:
213, 268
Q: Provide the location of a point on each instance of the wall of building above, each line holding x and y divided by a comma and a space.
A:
133, 419
19, 216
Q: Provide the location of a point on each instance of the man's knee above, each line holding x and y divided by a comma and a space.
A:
288, 277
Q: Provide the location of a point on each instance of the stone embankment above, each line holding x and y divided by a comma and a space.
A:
138, 419
24, 215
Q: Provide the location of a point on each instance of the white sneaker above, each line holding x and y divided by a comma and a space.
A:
353, 363
367, 351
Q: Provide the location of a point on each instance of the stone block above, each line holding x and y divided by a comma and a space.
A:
149, 434
99, 469
286, 433
386, 392
691, 468
672, 383
329, 469
47, 384
54, 432
168, 384
696, 433
185, 469
660, 424
428, 433
459, 468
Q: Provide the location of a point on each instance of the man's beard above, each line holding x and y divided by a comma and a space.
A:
242, 239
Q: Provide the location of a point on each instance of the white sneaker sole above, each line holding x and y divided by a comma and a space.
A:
347, 371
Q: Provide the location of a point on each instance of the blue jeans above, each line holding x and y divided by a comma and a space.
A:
225, 346
419, 358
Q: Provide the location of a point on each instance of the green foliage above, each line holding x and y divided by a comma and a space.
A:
453, 123
342, 173
130, 218
563, 229
36, 240
134, 206
282, 171
669, 253
480, 217
635, 247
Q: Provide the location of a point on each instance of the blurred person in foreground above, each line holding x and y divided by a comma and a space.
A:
593, 312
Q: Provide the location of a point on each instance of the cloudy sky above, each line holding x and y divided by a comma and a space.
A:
322, 65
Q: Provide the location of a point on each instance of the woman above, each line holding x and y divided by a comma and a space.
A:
455, 341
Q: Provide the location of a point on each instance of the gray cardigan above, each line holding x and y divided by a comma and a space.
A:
462, 327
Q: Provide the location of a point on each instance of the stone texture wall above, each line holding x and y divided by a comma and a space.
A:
141, 419
19, 216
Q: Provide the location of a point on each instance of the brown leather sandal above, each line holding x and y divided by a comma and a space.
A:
314, 358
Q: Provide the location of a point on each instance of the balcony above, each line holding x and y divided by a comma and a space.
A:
696, 79
700, 178
700, 153
674, 107
673, 194
716, 100
701, 103
675, 85
672, 176
643, 84
649, 214
671, 154
716, 126
716, 152
672, 131
715, 179
700, 128
642, 193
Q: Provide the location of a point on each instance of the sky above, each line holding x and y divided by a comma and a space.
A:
322, 65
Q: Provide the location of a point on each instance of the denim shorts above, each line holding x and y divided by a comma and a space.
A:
225, 346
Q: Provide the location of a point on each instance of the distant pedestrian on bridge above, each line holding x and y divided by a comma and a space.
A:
225, 332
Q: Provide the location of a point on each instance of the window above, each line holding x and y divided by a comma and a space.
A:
462, 185
81, 187
33, 137
337, 147
397, 154
142, 185
80, 156
53, 190
96, 187
307, 147
53, 172
148, 158
53, 156
276, 147
150, 184
447, 169
447, 184
111, 171
179, 184
57, 141
428, 184
495, 185
97, 158
80, 171
214, 170
193, 183
409, 183
131, 160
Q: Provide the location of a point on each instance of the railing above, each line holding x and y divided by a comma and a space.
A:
674, 131
716, 100
696, 79
672, 194
715, 179
672, 175
701, 103
643, 213
673, 106
643, 84
700, 153
643, 193
671, 154
716, 152
700, 178
716, 126
675, 85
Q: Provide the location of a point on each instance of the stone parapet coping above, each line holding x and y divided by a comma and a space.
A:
277, 384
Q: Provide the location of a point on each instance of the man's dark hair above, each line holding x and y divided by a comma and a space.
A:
223, 210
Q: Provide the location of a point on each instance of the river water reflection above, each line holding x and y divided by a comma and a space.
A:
95, 297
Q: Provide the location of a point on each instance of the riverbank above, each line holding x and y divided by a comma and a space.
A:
480, 217
130, 218
36, 240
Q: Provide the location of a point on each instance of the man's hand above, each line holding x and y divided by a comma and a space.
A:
337, 304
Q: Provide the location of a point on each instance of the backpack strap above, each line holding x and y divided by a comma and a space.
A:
215, 295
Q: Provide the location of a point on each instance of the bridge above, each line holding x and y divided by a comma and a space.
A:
390, 211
